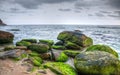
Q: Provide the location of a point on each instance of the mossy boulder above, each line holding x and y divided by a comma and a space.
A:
58, 47
45, 56
6, 37
23, 43
75, 37
11, 47
40, 48
73, 46
71, 53
34, 54
62, 57
37, 61
60, 68
97, 63
59, 43
30, 40
48, 42
102, 48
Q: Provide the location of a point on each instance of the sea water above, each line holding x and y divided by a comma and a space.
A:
107, 34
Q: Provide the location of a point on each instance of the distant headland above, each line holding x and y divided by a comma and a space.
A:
2, 23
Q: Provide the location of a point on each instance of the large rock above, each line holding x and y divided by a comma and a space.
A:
23, 43
60, 57
11, 54
60, 68
40, 48
71, 53
6, 37
1, 22
97, 63
75, 37
102, 48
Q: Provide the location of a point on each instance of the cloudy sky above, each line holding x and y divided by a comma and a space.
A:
102, 12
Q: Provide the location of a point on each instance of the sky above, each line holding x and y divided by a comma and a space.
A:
87, 12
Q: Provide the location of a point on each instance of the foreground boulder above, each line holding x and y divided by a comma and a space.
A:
6, 37
60, 68
102, 48
97, 63
75, 37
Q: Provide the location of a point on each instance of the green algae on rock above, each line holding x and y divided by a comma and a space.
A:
23, 43
71, 53
30, 40
62, 57
40, 48
60, 68
73, 46
75, 37
6, 37
37, 61
97, 63
58, 47
48, 42
59, 43
11, 47
102, 48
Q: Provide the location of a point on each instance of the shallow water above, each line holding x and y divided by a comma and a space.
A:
108, 35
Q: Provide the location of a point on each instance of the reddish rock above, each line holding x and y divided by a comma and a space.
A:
6, 37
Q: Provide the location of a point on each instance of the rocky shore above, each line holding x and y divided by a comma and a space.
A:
46, 57
2, 23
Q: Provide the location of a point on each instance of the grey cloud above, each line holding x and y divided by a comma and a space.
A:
77, 11
32, 4
64, 9
117, 12
99, 14
114, 16
105, 12
90, 15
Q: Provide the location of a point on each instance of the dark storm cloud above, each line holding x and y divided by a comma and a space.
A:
64, 9
32, 4
115, 3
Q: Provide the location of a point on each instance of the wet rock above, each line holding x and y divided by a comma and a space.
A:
75, 37
23, 43
40, 48
2, 23
59, 43
59, 47
73, 46
30, 40
102, 48
97, 63
6, 37
21, 47
61, 68
71, 53
11, 54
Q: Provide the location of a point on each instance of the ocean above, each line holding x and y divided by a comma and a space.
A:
108, 34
